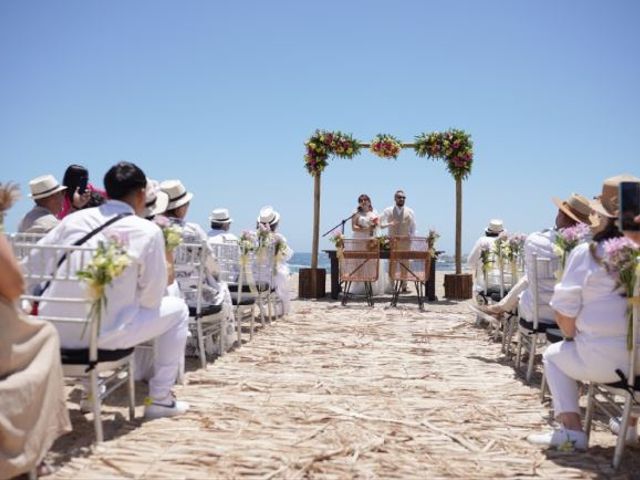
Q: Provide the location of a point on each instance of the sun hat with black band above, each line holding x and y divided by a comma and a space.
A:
220, 215
156, 200
44, 186
268, 215
178, 195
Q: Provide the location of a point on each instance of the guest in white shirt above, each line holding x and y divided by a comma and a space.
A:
48, 196
216, 292
270, 218
574, 210
137, 310
220, 225
491, 233
591, 313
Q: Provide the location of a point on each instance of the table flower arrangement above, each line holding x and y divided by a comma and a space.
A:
109, 261
622, 261
322, 144
432, 238
386, 146
384, 242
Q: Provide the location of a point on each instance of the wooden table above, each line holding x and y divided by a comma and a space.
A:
384, 254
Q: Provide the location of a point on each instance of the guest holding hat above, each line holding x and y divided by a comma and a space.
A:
591, 312
220, 225
270, 218
48, 196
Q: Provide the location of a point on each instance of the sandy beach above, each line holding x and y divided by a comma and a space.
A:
344, 392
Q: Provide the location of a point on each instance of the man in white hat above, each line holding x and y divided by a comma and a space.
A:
491, 233
216, 292
220, 225
270, 218
137, 309
48, 196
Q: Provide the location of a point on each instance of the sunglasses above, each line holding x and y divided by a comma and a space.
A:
400, 197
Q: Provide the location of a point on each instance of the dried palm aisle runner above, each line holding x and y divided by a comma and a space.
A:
334, 392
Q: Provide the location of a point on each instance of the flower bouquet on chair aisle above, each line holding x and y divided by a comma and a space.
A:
566, 240
107, 264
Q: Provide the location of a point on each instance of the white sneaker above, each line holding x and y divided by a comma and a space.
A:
561, 438
169, 408
632, 431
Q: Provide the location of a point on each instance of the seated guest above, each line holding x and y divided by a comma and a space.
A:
591, 312
137, 309
80, 193
270, 219
491, 233
574, 210
33, 411
48, 196
216, 292
220, 225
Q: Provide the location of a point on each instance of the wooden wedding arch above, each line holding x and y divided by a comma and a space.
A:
453, 146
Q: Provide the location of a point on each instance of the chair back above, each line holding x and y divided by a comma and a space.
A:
189, 266
67, 308
227, 255
409, 259
360, 260
262, 266
543, 272
635, 321
18, 239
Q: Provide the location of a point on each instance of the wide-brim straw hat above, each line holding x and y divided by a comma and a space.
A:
178, 195
220, 215
608, 203
268, 215
495, 226
576, 207
156, 200
44, 186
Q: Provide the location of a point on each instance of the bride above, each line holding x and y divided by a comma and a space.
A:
364, 223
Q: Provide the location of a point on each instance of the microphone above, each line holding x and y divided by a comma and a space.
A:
359, 209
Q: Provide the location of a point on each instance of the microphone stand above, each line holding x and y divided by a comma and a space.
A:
340, 224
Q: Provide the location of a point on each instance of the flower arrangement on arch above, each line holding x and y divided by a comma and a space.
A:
386, 146
323, 143
109, 261
622, 261
454, 146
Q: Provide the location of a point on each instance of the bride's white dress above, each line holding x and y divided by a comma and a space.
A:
379, 287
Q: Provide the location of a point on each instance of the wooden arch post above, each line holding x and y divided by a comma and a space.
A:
311, 281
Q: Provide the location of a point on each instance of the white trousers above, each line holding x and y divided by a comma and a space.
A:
167, 326
567, 362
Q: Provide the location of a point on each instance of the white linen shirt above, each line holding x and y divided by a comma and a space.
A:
540, 244
141, 285
219, 236
587, 292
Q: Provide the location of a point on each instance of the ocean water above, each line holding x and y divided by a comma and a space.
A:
303, 260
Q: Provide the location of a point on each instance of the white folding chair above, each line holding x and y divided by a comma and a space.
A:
227, 254
626, 389
532, 332
206, 310
103, 368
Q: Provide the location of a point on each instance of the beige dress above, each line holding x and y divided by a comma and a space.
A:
33, 412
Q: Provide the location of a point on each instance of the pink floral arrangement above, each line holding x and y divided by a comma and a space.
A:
454, 146
569, 238
322, 144
621, 260
386, 146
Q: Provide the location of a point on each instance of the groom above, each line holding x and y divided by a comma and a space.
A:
400, 220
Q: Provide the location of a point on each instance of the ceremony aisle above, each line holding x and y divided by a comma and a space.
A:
342, 392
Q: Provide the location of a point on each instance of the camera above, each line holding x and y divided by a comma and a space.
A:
629, 197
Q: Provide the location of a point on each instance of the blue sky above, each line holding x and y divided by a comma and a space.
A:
222, 95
